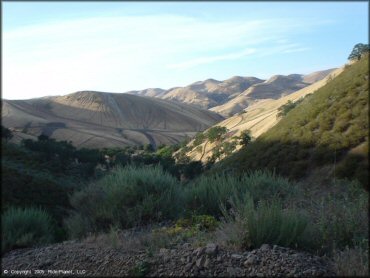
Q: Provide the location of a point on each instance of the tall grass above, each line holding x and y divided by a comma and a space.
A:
128, 196
207, 193
339, 216
266, 222
25, 228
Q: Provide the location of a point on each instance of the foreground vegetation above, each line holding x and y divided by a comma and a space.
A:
52, 191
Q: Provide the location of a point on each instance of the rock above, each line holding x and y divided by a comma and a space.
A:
251, 260
186, 245
188, 266
199, 251
236, 257
46, 263
233, 271
211, 249
200, 262
207, 263
265, 247
163, 251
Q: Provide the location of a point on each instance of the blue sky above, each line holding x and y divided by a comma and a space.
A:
56, 48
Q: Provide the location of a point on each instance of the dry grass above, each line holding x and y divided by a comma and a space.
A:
352, 262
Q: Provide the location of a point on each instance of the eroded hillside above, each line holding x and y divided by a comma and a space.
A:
96, 119
258, 118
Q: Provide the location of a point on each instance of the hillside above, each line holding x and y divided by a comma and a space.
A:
258, 118
236, 93
96, 119
329, 128
274, 88
210, 93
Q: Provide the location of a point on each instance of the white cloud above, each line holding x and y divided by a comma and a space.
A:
129, 52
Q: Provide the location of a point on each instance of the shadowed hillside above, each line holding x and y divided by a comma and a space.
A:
96, 119
256, 118
329, 128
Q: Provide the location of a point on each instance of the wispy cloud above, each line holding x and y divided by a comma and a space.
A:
211, 59
129, 52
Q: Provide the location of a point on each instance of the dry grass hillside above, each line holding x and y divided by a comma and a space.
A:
258, 117
96, 119
328, 129
274, 88
210, 93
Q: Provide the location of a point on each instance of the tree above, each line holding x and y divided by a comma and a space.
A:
216, 133
42, 137
358, 50
6, 133
245, 138
148, 148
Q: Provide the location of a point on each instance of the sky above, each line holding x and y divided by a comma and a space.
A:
57, 48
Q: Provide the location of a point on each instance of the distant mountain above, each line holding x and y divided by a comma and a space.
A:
97, 119
258, 117
236, 93
274, 88
316, 76
204, 94
151, 92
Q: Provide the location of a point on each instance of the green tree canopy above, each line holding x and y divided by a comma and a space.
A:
216, 133
358, 50
245, 137
6, 133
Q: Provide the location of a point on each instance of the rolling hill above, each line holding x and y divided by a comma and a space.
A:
210, 93
259, 117
96, 119
236, 93
330, 128
274, 88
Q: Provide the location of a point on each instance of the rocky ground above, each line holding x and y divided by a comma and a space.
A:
90, 259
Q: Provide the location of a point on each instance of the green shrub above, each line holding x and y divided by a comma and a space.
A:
199, 222
340, 218
266, 222
141, 269
126, 197
216, 133
25, 228
205, 194
199, 139
266, 185
352, 262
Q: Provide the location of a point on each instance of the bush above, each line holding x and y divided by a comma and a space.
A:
216, 133
352, 262
126, 197
198, 222
266, 222
266, 185
205, 194
25, 228
340, 218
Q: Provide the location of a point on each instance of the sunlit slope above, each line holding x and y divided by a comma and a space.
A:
330, 128
274, 88
258, 117
96, 119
